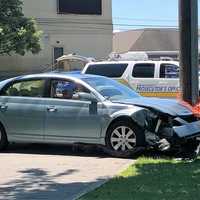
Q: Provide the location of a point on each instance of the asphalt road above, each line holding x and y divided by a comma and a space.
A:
48, 172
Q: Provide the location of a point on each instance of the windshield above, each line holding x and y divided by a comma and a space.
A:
110, 89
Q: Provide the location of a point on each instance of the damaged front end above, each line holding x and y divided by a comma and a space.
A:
169, 133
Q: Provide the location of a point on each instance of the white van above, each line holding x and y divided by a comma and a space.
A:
149, 78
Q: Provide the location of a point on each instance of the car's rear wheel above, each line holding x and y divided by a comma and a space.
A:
125, 138
3, 138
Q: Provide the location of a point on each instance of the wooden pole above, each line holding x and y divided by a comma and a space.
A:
188, 22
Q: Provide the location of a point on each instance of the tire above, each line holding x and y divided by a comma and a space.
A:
124, 139
3, 139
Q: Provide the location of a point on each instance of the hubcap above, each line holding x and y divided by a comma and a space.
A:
123, 138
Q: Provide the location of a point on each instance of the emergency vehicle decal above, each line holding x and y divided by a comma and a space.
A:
123, 81
159, 94
157, 90
153, 90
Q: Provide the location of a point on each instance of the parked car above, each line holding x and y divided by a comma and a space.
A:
76, 108
148, 78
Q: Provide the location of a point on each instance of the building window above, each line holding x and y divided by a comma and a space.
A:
82, 7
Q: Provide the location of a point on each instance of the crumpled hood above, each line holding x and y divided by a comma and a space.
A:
168, 106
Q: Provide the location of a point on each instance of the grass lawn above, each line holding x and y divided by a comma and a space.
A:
156, 179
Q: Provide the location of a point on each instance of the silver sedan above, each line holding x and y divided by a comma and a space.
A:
75, 108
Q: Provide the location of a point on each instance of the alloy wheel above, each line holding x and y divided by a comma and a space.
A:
123, 138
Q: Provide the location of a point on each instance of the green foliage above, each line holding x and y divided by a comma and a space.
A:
18, 34
153, 179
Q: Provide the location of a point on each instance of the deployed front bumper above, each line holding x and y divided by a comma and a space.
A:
187, 131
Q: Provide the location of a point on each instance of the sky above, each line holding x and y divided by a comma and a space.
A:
136, 14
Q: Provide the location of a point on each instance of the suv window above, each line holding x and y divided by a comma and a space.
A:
169, 71
108, 70
145, 70
28, 88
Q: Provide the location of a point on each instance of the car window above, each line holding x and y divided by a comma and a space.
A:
64, 89
108, 70
143, 70
28, 88
169, 71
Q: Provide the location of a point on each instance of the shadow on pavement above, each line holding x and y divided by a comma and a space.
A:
50, 149
76, 150
38, 184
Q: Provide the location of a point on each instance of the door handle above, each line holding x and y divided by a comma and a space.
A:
3, 107
52, 109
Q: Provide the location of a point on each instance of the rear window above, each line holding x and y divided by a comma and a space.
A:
169, 71
108, 70
145, 70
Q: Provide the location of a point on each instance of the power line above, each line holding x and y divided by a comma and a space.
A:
143, 19
114, 24
109, 24
118, 26
125, 28
145, 25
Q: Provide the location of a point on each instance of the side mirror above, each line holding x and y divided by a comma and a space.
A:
87, 97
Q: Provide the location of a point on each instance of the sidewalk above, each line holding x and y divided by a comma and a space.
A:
51, 175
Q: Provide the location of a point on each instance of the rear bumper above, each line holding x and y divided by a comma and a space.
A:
187, 131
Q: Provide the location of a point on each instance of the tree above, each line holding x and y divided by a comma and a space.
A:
18, 34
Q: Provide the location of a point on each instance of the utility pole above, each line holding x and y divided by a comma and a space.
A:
188, 23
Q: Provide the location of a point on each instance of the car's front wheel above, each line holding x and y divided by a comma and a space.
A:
3, 138
124, 138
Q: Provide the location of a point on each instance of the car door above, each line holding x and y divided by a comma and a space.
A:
22, 110
68, 117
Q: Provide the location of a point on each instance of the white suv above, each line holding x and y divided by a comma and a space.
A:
149, 78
